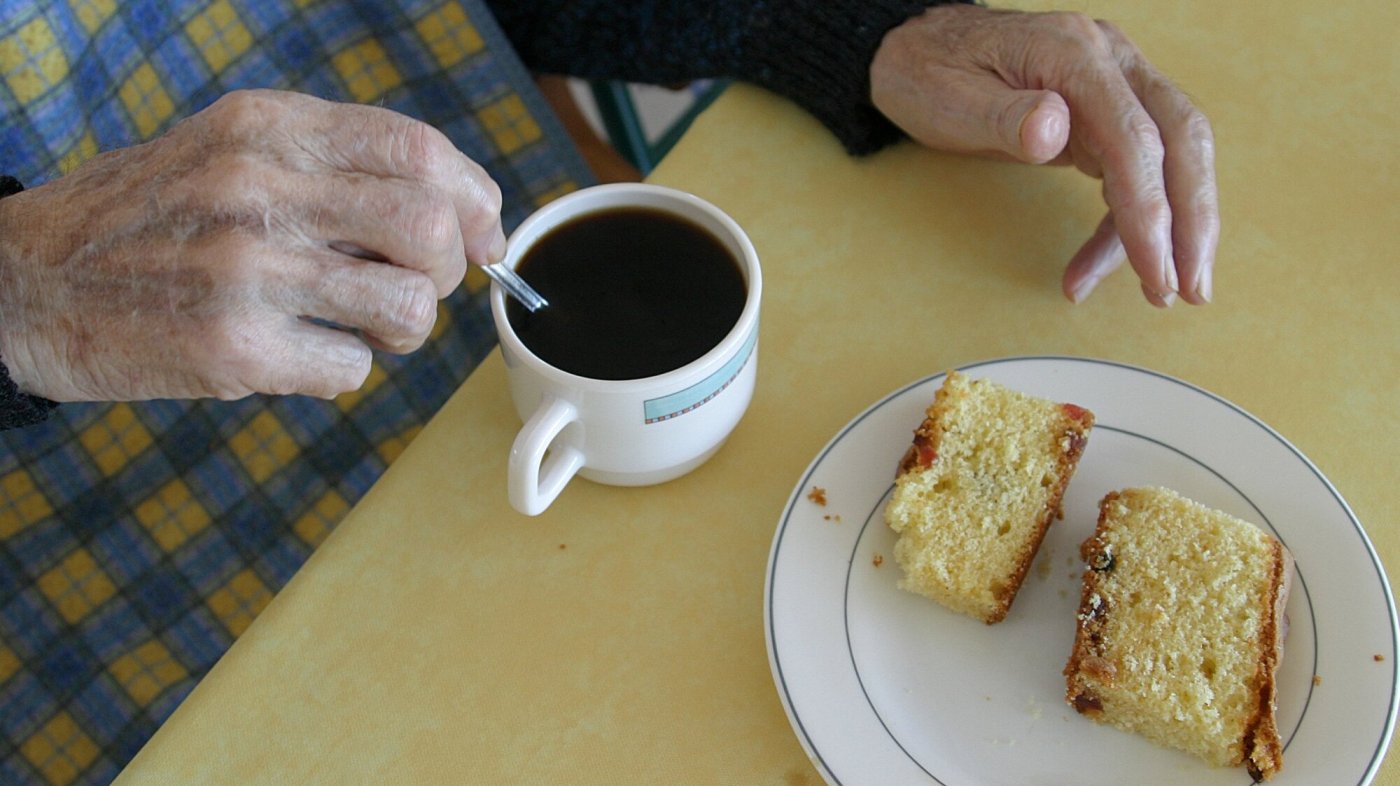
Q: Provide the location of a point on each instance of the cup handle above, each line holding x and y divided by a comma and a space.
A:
535, 481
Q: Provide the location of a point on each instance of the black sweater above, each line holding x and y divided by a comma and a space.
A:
815, 52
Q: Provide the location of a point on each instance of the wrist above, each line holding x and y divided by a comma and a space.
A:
17, 406
822, 55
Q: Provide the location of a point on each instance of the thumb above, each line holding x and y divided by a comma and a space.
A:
980, 113
1044, 128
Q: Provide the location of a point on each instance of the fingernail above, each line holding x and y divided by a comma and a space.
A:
1159, 299
1203, 285
1083, 291
1169, 268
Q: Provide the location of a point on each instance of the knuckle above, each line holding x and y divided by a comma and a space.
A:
1111, 32
1148, 206
227, 345
1145, 139
484, 197
1067, 41
489, 197
1084, 42
411, 310
434, 225
1076, 26
1192, 136
419, 149
1197, 127
1205, 209
241, 113
355, 373
1156, 209
1120, 50
346, 372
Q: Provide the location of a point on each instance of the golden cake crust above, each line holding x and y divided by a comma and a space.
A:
1054, 437
1092, 672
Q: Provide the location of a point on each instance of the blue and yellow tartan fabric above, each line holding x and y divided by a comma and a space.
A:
137, 541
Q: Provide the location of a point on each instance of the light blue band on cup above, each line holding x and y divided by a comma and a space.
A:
656, 410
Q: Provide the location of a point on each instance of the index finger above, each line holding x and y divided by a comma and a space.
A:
1188, 170
384, 143
1118, 131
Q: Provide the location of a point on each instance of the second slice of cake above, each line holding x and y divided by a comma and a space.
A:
1180, 628
978, 488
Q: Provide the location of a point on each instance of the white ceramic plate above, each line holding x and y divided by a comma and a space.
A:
885, 687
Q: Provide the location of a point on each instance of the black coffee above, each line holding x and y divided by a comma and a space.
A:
633, 292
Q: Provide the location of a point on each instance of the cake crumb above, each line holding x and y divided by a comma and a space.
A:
835, 518
1378, 658
877, 561
562, 546
817, 495
1317, 679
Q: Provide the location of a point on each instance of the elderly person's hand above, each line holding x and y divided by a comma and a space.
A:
1063, 88
263, 245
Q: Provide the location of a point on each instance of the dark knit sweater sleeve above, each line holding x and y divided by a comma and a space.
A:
815, 52
19, 409
16, 408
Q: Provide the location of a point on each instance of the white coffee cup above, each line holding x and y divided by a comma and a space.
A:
633, 432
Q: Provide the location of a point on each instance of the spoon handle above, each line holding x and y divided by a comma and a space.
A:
515, 286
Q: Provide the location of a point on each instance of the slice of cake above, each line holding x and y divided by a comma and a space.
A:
977, 490
1180, 628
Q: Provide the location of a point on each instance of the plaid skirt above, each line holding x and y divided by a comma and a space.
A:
137, 541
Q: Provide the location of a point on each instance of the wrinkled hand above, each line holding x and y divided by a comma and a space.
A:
1063, 88
221, 259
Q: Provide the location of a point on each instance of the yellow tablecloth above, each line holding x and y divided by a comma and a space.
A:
439, 637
